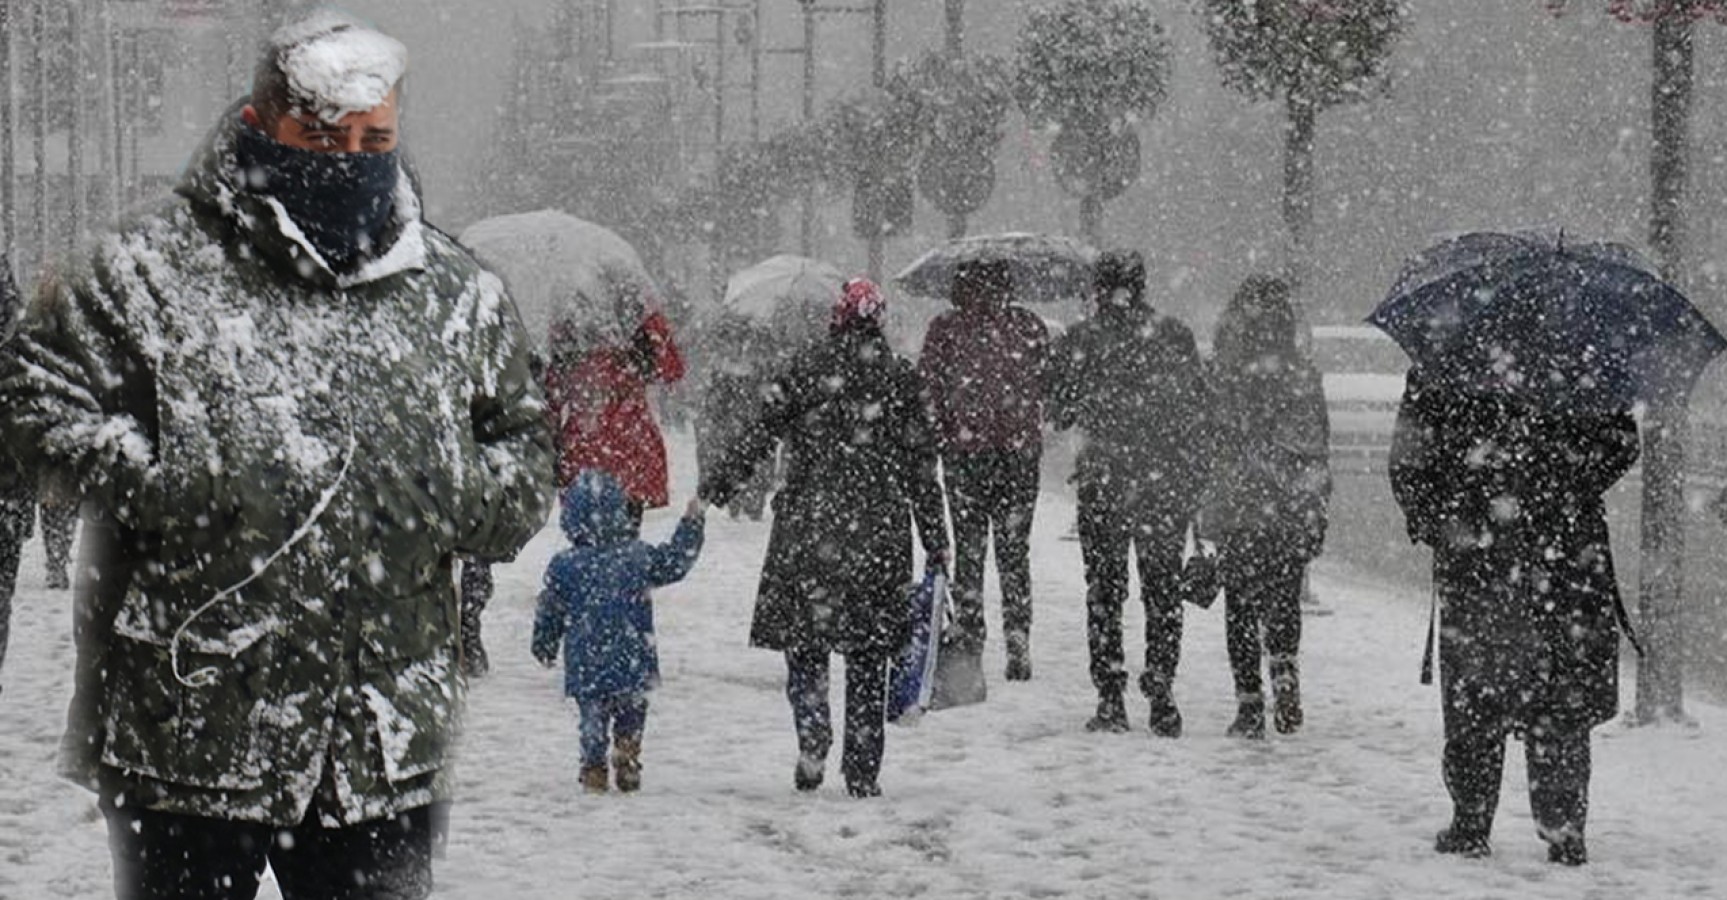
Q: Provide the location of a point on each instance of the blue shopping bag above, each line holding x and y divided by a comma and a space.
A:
912, 679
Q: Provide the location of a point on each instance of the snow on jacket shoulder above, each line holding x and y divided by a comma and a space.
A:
595, 596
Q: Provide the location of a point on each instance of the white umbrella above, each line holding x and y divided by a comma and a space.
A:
790, 295
563, 269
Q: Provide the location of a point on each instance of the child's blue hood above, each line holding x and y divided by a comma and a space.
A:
596, 511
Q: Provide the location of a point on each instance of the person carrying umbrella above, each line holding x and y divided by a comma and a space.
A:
861, 470
983, 363
1509, 498
597, 391
1133, 382
1516, 419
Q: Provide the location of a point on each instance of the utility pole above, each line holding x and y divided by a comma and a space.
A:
878, 44
954, 13
8, 171
758, 40
39, 137
807, 221
75, 134
108, 164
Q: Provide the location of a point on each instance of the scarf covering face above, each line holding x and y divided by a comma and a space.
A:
342, 202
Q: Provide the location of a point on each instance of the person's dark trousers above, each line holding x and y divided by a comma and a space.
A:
1489, 645
477, 588
1108, 532
59, 523
163, 856
992, 491
1262, 593
865, 710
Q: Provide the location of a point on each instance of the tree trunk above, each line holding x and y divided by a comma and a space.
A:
8, 171
1298, 133
1091, 219
957, 225
876, 246
1660, 693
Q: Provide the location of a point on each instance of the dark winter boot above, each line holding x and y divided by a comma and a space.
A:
627, 762
863, 790
1467, 843
1249, 719
1286, 693
1018, 656
808, 774
1165, 719
594, 779
1111, 714
1568, 851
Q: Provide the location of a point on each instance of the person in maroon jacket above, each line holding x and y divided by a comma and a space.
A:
983, 362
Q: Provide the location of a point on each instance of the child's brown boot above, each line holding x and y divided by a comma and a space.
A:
627, 759
594, 779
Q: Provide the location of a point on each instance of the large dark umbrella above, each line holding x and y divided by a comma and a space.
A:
1562, 326
1045, 268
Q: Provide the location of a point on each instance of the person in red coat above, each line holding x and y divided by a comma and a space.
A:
597, 395
983, 363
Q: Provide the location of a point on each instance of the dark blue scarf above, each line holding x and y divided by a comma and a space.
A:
342, 202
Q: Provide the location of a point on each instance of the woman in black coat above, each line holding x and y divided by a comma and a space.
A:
1269, 494
1510, 500
860, 470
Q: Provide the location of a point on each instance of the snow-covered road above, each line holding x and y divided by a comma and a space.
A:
1009, 799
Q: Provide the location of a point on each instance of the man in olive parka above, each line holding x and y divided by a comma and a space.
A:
293, 404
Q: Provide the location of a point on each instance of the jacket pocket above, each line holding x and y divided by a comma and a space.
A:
205, 733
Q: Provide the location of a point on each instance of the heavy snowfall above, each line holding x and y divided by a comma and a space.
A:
770, 448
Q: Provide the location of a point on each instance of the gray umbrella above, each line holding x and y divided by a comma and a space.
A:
1045, 268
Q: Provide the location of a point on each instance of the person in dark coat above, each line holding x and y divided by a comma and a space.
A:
861, 470
1510, 500
1270, 489
983, 362
17, 489
1132, 381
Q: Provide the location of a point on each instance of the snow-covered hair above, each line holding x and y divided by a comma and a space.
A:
328, 64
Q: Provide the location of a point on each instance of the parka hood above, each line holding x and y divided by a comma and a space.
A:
213, 182
595, 511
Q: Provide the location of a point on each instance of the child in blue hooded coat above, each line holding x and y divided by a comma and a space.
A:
595, 601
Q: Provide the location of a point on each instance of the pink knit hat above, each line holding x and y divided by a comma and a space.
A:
859, 299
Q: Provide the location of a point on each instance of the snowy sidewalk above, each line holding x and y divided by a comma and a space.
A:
1009, 799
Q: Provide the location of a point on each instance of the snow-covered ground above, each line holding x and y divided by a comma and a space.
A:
1009, 799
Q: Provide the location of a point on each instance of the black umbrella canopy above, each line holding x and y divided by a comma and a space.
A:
1557, 324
